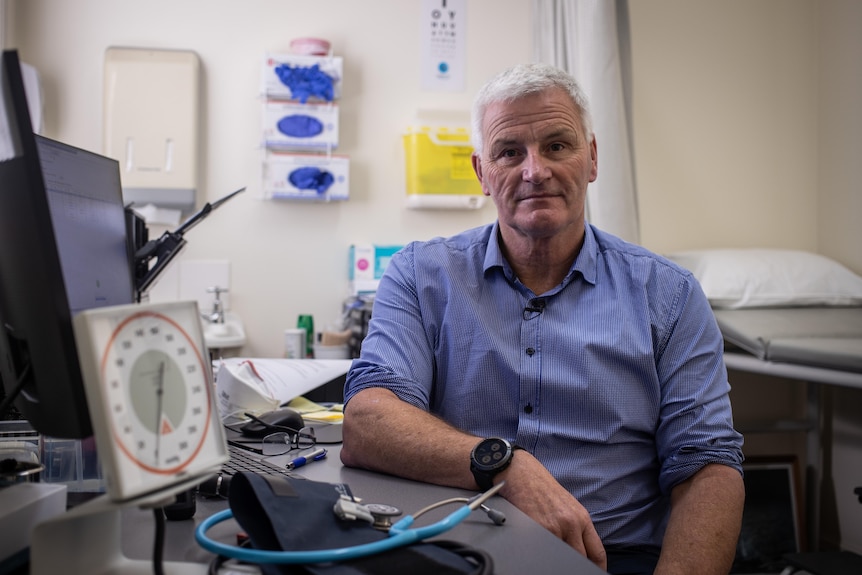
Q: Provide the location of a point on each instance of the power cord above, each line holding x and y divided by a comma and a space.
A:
220, 560
480, 559
19, 385
159, 543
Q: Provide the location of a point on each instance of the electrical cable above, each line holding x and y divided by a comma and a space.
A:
19, 385
159, 543
220, 561
483, 561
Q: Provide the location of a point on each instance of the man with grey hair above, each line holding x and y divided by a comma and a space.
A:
584, 371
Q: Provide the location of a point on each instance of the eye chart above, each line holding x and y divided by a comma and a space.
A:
444, 38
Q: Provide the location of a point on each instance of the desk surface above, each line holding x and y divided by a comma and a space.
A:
519, 546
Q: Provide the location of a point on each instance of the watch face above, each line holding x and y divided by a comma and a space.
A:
150, 394
491, 453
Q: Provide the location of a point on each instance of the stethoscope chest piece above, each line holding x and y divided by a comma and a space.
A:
382, 514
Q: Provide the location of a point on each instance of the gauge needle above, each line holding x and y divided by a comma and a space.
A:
160, 383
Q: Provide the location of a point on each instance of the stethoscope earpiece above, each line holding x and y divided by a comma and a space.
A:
495, 515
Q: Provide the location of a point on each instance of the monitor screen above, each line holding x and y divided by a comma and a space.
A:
88, 217
62, 249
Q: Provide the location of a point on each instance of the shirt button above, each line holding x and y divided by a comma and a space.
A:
530, 351
528, 409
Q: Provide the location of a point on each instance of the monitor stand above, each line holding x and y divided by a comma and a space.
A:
88, 539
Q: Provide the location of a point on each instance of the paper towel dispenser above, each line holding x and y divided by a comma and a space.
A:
152, 124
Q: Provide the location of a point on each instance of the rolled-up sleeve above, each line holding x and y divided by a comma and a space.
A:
696, 421
395, 352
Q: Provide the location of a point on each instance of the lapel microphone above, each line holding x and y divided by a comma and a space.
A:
534, 307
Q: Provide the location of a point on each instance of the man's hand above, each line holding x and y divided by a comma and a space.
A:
533, 490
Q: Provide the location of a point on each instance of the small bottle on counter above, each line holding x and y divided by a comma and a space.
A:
295, 343
307, 322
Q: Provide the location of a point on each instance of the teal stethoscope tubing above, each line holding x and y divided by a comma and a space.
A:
400, 534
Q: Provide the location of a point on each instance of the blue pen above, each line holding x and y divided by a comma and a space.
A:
315, 455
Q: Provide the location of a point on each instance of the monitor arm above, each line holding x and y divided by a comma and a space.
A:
162, 250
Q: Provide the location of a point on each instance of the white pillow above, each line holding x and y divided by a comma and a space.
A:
738, 278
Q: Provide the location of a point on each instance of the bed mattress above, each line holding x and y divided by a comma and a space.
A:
829, 337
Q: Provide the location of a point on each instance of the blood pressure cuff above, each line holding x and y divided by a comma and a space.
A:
280, 513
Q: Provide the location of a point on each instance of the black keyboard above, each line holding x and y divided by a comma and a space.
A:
245, 460
240, 460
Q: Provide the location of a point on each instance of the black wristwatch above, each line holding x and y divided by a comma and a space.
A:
490, 457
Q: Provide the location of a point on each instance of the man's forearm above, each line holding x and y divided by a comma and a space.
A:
705, 519
383, 433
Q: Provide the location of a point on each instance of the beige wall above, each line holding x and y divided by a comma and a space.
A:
746, 134
725, 109
840, 131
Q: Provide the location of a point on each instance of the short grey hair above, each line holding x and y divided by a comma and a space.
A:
525, 80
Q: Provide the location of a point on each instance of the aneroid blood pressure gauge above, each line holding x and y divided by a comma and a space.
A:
150, 394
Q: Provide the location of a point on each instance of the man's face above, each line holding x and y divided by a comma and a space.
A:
536, 164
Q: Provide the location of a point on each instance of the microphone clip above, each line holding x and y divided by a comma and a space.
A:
534, 307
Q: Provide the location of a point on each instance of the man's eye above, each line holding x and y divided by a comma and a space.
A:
556, 147
509, 153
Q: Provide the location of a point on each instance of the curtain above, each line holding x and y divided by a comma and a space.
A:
590, 40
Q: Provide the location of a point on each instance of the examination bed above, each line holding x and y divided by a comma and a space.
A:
787, 313
820, 344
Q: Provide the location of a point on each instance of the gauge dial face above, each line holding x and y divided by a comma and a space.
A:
156, 392
151, 397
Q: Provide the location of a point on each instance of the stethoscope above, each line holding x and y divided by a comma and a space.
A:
400, 533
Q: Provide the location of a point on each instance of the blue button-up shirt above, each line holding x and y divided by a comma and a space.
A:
617, 385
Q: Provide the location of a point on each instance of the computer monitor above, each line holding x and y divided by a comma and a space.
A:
89, 221
63, 248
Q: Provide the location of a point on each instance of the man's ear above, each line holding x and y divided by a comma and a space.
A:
477, 168
594, 157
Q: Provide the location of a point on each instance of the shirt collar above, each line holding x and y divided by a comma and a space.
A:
585, 263
493, 253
